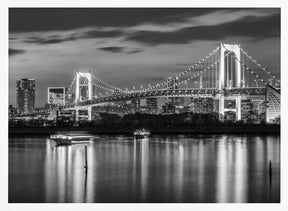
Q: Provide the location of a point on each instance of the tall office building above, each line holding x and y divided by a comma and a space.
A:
25, 95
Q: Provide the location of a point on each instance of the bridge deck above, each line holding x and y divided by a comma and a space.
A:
206, 92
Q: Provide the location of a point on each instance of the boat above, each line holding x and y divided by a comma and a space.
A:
141, 133
68, 139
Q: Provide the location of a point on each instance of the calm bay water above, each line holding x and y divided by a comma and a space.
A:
214, 168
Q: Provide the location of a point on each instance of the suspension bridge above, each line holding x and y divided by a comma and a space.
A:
226, 73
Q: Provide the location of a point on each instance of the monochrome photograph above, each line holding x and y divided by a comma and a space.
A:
144, 105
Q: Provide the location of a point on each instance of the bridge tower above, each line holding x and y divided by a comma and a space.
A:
83, 91
229, 75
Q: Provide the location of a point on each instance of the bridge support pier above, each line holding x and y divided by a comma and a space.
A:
87, 96
221, 107
76, 114
238, 108
89, 110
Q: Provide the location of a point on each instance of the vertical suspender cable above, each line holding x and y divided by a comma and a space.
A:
242, 67
231, 77
217, 76
208, 73
248, 74
226, 72
212, 79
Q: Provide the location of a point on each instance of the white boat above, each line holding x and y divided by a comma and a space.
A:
67, 139
141, 133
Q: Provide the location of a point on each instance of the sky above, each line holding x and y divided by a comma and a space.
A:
129, 47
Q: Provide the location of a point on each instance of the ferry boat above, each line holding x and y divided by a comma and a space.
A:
141, 133
68, 139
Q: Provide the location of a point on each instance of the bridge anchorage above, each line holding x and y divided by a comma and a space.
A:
227, 73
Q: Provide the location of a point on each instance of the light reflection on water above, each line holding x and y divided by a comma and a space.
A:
160, 169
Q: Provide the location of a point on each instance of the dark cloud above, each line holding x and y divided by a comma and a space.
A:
252, 27
53, 39
13, 52
112, 49
137, 50
49, 19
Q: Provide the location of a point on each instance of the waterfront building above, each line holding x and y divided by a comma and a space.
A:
56, 96
230, 116
262, 111
250, 111
191, 106
216, 106
173, 104
152, 104
25, 95
67, 117
135, 105
246, 107
202, 105
12, 111
258, 108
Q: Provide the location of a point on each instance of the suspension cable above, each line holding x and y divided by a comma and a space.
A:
259, 65
105, 83
99, 86
200, 72
158, 85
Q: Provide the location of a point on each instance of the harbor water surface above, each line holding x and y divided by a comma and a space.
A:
194, 169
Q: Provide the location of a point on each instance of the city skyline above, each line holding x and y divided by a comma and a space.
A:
129, 47
145, 105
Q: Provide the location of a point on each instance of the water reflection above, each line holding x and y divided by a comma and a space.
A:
221, 174
201, 175
65, 177
158, 169
240, 169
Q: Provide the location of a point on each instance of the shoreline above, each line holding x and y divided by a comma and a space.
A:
197, 130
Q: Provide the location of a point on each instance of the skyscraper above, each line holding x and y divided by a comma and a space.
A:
25, 95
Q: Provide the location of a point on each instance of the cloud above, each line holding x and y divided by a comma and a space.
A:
136, 50
252, 27
258, 26
112, 49
13, 51
53, 39
61, 19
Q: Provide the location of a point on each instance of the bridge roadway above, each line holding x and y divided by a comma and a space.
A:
205, 92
